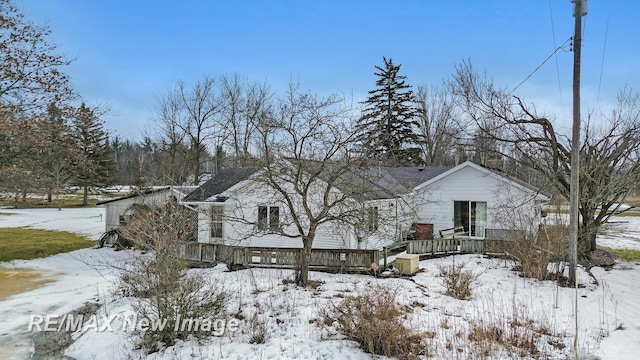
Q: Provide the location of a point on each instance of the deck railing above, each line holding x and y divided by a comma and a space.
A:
344, 260
444, 246
321, 259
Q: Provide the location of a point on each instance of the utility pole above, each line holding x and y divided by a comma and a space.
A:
579, 10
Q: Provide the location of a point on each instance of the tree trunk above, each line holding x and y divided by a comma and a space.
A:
85, 195
197, 154
305, 260
587, 235
591, 237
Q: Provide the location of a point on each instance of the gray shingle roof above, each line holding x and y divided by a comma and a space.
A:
220, 182
373, 183
376, 183
411, 177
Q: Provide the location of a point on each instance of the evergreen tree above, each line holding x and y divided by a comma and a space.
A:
94, 165
55, 148
387, 129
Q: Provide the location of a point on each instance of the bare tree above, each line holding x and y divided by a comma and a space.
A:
18, 155
31, 77
439, 124
306, 162
30, 74
243, 103
172, 136
609, 165
609, 154
200, 105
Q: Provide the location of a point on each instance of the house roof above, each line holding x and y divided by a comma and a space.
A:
411, 177
220, 182
136, 194
371, 183
185, 189
382, 182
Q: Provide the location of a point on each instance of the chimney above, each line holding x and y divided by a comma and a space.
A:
495, 163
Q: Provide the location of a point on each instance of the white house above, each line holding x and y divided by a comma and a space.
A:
484, 202
235, 208
117, 209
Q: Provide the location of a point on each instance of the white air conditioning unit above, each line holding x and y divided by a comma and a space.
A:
408, 264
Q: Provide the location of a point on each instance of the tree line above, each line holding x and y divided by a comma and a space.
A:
215, 123
49, 138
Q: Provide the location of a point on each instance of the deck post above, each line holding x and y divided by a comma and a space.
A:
385, 257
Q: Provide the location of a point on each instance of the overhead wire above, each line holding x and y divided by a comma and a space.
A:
553, 34
539, 66
604, 49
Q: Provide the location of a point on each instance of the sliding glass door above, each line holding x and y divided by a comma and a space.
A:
471, 215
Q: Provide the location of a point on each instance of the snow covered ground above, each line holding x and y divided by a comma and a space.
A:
621, 232
608, 317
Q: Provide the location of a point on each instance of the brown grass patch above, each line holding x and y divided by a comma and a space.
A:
15, 281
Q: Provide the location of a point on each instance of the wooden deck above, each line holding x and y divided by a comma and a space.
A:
339, 260
335, 260
442, 247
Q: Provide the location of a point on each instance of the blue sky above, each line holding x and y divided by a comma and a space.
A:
128, 52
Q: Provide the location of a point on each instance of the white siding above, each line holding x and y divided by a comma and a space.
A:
116, 208
508, 205
203, 225
241, 215
391, 216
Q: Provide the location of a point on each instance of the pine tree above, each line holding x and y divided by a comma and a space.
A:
54, 151
387, 129
94, 165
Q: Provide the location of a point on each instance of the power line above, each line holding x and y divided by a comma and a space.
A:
604, 49
553, 34
539, 66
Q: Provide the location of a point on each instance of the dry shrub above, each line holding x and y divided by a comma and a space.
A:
374, 321
534, 254
168, 294
518, 337
258, 331
488, 337
458, 281
514, 339
184, 303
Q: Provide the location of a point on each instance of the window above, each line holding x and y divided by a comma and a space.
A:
268, 218
372, 219
216, 222
471, 215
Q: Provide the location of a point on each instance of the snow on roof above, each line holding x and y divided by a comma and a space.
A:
136, 194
